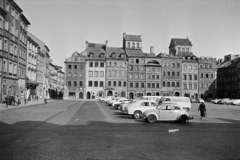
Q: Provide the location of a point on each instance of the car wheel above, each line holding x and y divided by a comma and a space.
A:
137, 114
183, 119
151, 118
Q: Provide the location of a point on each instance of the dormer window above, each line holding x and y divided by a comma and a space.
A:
189, 58
122, 55
138, 45
187, 49
101, 55
91, 55
133, 45
113, 55
183, 49
137, 61
128, 45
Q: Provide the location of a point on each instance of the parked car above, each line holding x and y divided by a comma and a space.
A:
236, 102
106, 99
140, 106
215, 101
183, 102
119, 104
223, 101
118, 101
166, 112
230, 101
199, 100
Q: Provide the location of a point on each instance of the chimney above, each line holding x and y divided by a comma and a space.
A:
151, 49
106, 42
86, 45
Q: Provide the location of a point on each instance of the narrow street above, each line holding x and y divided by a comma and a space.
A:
93, 130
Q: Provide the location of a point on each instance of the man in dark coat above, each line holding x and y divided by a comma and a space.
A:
202, 109
7, 101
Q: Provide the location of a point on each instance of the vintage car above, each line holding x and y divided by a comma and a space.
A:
224, 101
118, 101
166, 112
136, 109
105, 99
236, 101
119, 104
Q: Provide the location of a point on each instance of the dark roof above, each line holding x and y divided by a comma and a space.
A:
25, 19
136, 38
39, 42
96, 49
188, 54
14, 4
180, 41
135, 53
117, 50
229, 63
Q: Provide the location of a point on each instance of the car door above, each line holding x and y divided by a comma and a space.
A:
166, 112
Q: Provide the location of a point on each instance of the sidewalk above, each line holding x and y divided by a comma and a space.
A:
29, 103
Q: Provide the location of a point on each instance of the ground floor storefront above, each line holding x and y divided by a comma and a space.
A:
9, 86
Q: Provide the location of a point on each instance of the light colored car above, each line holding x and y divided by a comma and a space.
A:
236, 101
215, 101
118, 101
183, 102
136, 109
223, 101
119, 105
166, 112
106, 99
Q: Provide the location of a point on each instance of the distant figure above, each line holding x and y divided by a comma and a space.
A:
202, 109
7, 100
25, 100
16, 100
45, 100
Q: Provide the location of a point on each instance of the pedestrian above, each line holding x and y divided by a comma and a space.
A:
45, 100
17, 100
7, 101
25, 100
202, 109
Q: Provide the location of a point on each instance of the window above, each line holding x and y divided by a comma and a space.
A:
149, 76
124, 83
157, 85
75, 66
90, 73
95, 83
69, 66
128, 44
187, 49
96, 64
109, 83
131, 85
169, 74
130, 76
5, 44
119, 83
201, 75
136, 85
184, 66
195, 86
69, 83
75, 83
101, 74
142, 85
157, 76
190, 77
211, 75
115, 73
173, 84
90, 64
178, 84
153, 85
178, 74
195, 77
101, 84
149, 85
189, 67
114, 83
75, 75
138, 46
131, 68
133, 45
95, 73
178, 64
164, 84
168, 84
184, 77
69, 74
137, 61
190, 86
80, 83
173, 73
184, 86
153, 76
206, 75
80, 75
101, 64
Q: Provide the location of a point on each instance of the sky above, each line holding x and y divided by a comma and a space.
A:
213, 26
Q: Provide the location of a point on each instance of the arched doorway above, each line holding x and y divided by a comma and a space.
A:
88, 95
122, 94
157, 94
80, 95
149, 94
131, 96
177, 94
109, 93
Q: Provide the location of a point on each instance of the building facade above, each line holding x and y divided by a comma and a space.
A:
228, 78
207, 67
95, 70
116, 72
75, 76
31, 76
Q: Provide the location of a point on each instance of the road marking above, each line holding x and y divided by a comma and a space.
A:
106, 115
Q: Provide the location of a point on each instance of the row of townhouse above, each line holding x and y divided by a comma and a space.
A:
24, 59
127, 71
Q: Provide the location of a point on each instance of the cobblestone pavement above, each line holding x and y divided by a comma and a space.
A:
92, 131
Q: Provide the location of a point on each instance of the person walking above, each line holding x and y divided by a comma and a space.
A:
7, 100
202, 109
45, 100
